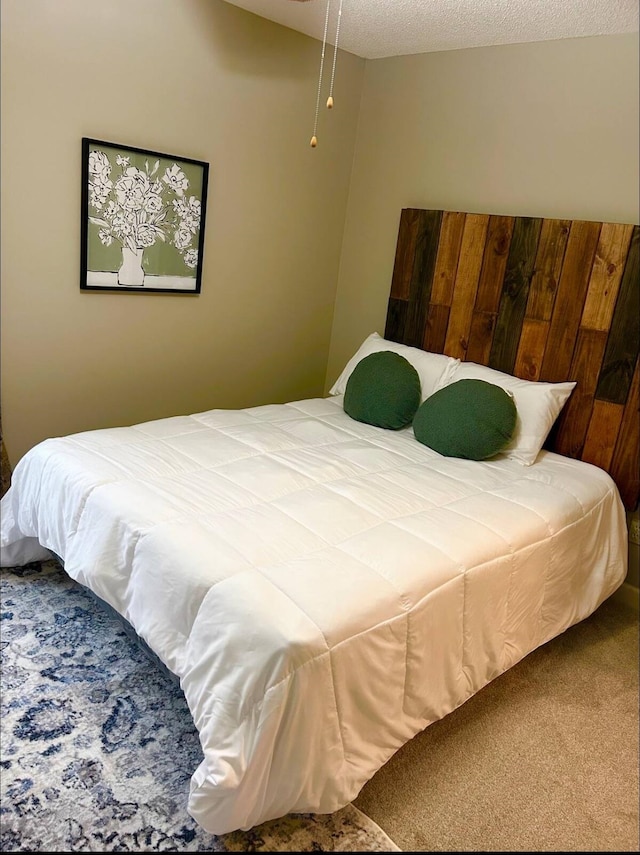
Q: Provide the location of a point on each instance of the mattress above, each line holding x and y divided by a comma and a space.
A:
323, 589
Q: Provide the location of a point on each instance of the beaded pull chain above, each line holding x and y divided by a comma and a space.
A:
335, 56
314, 138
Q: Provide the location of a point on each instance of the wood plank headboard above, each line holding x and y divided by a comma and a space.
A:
542, 299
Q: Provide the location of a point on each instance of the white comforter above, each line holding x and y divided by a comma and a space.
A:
324, 589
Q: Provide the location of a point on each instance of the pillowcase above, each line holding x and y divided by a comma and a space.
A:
538, 405
472, 419
383, 390
433, 369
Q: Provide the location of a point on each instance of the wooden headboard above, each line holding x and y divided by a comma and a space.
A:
538, 298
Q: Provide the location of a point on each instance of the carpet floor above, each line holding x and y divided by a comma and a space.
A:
544, 758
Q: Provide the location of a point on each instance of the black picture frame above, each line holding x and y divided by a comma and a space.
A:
142, 220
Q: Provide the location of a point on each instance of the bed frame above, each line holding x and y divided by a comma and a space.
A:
542, 299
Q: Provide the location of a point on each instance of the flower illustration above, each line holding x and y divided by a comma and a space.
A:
175, 178
136, 207
99, 165
191, 257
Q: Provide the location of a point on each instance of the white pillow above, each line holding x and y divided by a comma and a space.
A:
538, 405
434, 369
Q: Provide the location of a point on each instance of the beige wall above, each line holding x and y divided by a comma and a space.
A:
546, 129
198, 78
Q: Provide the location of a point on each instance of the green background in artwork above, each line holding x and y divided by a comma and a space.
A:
161, 259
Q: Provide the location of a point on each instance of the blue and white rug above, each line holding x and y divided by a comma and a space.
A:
98, 745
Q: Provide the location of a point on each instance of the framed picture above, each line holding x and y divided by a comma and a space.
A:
142, 220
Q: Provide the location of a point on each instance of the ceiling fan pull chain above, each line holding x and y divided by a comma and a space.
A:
335, 56
314, 138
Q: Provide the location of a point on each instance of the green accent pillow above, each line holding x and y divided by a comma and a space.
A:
383, 390
470, 418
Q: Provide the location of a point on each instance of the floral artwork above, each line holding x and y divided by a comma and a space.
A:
143, 219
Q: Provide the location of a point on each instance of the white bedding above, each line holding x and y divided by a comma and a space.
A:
323, 588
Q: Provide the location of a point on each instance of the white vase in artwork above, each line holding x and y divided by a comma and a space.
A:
131, 271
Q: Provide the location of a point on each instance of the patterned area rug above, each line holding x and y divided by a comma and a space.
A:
98, 745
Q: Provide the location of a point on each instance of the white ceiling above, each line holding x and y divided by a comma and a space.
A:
377, 28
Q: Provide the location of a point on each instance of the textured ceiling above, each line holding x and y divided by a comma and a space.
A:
379, 28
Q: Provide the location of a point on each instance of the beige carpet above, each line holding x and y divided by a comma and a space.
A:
545, 758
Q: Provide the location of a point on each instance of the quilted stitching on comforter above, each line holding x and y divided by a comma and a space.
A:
323, 588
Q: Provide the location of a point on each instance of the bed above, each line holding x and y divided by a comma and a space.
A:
325, 588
